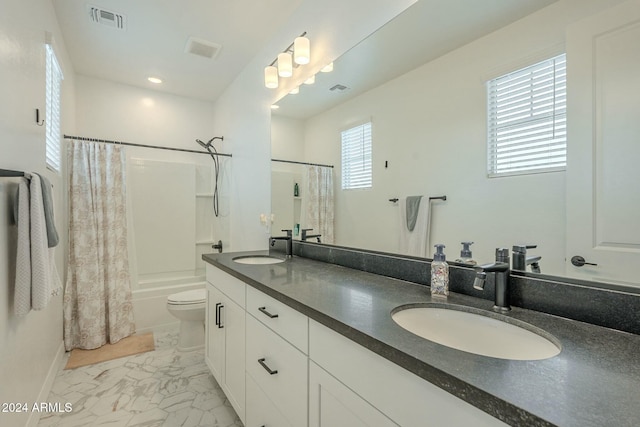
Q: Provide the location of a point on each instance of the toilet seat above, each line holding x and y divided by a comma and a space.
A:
196, 296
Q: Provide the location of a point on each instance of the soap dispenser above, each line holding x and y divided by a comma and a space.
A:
465, 254
439, 273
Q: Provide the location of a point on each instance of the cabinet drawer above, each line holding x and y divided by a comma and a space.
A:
403, 397
279, 369
260, 410
230, 286
282, 319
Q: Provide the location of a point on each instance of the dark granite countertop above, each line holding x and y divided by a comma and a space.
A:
594, 381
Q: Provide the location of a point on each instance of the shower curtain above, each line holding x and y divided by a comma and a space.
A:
319, 212
97, 296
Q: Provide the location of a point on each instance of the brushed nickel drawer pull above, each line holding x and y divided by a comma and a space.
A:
264, 311
268, 369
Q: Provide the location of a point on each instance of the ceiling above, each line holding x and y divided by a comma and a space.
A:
155, 36
426, 30
156, 33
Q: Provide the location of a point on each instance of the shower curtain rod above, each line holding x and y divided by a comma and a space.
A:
302, 163
131, 144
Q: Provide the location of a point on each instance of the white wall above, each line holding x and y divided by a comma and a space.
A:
430, 125
113, 111
242, 113
30, 347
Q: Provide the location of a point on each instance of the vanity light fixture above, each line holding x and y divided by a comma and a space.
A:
285, 64
327, 68
311, 80
296, 54
274, 106
301, 50
154, 80
271, 77
295, 90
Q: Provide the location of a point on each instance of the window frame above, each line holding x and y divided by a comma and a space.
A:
547, 103
357, 138
53, 109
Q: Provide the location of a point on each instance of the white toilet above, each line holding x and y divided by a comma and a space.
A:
189, 307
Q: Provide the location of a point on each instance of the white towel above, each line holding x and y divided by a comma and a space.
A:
36, 275
40, 269
416, 242
22, 292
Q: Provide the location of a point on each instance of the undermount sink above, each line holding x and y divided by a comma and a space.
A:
257, 259
469, 330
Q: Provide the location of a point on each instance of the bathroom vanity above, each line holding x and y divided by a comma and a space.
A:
318, 346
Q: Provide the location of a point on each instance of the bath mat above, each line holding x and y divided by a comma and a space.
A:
134, 344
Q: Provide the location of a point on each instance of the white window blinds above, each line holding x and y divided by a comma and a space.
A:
356, 157
52, 117
527, 124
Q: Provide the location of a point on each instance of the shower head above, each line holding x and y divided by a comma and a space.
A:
209, 144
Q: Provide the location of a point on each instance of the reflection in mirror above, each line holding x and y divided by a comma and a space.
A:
421, 80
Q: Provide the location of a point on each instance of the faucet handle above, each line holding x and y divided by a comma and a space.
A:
522, 249
502, 255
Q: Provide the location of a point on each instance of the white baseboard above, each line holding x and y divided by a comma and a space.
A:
43, 396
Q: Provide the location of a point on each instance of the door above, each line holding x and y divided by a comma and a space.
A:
603, 171
214, 345
234, 325
332, 404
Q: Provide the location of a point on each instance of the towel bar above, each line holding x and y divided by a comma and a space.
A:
7, 172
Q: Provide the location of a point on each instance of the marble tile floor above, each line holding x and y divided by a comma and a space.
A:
163, 387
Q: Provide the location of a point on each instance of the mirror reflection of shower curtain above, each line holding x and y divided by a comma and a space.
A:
319, 202
97, 296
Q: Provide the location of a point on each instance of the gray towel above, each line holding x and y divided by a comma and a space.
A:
413, 206
47, 201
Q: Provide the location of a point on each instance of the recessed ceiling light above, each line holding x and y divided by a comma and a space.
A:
154, 80
274, 106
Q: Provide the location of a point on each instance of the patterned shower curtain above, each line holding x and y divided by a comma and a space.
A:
320, 201
97, 295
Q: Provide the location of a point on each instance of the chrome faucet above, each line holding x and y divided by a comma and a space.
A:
501, 269
288, 238
304, 236
521, 260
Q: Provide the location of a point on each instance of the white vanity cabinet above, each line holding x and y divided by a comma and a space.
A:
277, 369
225, 335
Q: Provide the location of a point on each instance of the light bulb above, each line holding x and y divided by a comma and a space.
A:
301, 50
285, 66
328, 68
295, 91
311, 80
271, 77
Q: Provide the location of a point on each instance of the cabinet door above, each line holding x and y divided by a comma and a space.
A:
215, 340
260, 410
233, 320
331, 404
603, 101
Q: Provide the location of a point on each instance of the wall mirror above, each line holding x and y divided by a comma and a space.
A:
421, 82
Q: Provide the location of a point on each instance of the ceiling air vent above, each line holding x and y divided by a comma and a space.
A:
339, 88
202, 48
107, 17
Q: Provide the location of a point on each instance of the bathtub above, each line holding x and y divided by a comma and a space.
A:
149, 300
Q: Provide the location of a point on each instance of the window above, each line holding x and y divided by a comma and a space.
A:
52, 117
356, 157
527, 119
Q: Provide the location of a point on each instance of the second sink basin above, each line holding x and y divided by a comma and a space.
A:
469, 330
257, 259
